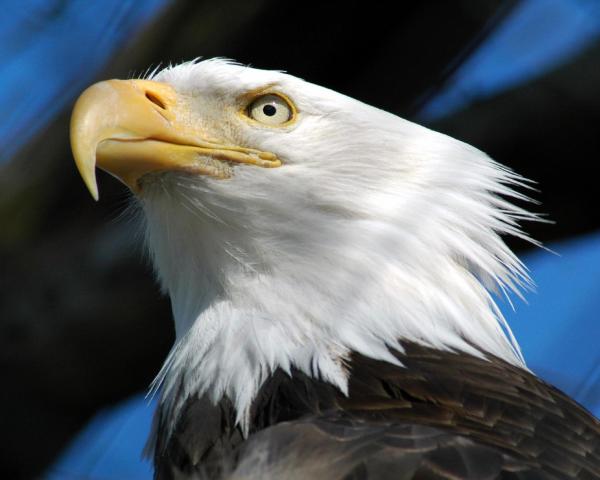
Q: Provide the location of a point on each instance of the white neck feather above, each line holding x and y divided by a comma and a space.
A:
254, 290
374, 231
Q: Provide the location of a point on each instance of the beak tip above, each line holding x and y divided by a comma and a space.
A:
93, 188
89, 178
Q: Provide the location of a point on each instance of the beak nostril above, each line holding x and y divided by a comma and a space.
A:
155, 100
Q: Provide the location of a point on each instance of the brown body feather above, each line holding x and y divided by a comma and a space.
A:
442, 416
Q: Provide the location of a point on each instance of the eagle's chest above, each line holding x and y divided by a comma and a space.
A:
452, 412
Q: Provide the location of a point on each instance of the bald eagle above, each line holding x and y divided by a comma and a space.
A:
331, 269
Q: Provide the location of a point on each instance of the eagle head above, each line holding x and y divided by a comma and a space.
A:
292, 225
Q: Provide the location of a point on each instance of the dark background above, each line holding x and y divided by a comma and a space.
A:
82, 324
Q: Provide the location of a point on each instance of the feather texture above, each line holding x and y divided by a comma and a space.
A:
442, 416
374, 230
335, 316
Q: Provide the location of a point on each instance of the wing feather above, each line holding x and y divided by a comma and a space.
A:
443, 416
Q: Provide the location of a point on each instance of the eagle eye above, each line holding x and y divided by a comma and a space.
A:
270, 109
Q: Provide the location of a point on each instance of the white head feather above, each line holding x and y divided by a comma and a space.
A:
374, 230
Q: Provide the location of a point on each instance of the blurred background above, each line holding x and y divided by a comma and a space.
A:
83, 329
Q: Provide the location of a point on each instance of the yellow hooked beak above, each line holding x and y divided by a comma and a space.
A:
133, 127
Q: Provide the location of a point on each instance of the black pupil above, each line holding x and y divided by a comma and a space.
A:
269, 110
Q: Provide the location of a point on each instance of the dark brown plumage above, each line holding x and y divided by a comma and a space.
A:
445, 416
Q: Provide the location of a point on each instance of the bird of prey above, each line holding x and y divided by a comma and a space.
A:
332, 271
